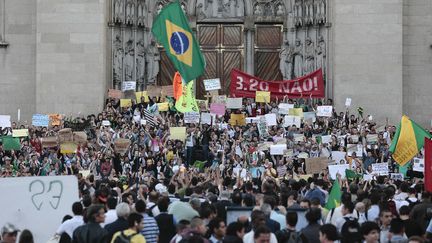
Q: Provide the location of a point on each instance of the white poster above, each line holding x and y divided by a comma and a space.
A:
284, 108
278, 149
40, 205
5, 121
292, 120
299, 138
309, 116
380, 169
206, 118
339, 157
326, 139
270, 119
234, 103
252, 119
348, 102
418, 165
397, 176
191, 117
334, 169
325, 110
128, 85
212, 84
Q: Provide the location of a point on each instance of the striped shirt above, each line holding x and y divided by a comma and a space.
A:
151, 229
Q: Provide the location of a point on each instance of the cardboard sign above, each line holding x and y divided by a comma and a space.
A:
206, 118
380, 168
18, 133
33, 200
218, 109
262, 97
348, 102
296, 112
65, 135
372, 138
202, 105
5, 121
154, 91
168, 90
338, 157
212, 84
284, 108
309, 116
140, 95
418, 165
128, 85
237, 120
68, 148
125, 102
49, 142
40, 120
335, 169
292, 120
316, 165
270, 119
325, 110
79, 137
219, 99
121, 145
178, 133
191, 117
114, 93
278, 149
234, 103
55, 119
163, 106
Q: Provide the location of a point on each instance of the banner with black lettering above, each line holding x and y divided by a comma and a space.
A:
245, 85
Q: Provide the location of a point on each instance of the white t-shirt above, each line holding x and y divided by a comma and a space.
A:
70, 225
249, 238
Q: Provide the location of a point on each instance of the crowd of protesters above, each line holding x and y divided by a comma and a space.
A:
165, 190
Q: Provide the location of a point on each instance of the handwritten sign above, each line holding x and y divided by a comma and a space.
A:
202, 104
65, 135
270, 119
154, 91
49, 142
125, 103
55, 119
292, 121
234, 103
178, 133
68, 148
397, 176
114, 93
212, 84
348, 102
128, 85
418, 165
168, 90
339, 157
325, 110
79, 137
5, 121
206, 118
262, 97
309, 116
296, 112
40, 120
335, 169
380, 168
326, 139
316, 165
298, 138
141, 95
284, 108
218, 109
372, 138
237, 120
106, 123
278, 149
17, 133
252, 119
191, 117
121, 145
219, 99
163, 106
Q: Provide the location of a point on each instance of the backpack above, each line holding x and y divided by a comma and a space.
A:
288, 236
150, 210
351, 231
122, 238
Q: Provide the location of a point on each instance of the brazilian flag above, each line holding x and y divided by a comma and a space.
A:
172, 30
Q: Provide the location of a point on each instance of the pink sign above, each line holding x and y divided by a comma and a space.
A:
218, 109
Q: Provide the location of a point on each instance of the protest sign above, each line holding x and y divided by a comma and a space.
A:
270, 119
354, 138
262, 97
309, 116
380, 168
79, 137
292, 120
237, 120
191, 117
106, 123
163, 106
357, 148
17, 133
234, 103
397, 176
289, 153
143, 122
5, 121
154, 91
202, 104
10, 143
348, 102
42, 198
252, 119
218, 109
262, 127
121, 145
125, 102
167, 90
40, 120
256, 171
49, 142
418, 165
339, 157
206, 118
212, 84
368, 177
335, 169
68, 147
284, 108
325, 110
55, 119
141, 95
219, 99
296, 112
128, 85
114, 93
65, 135
372, 138
178, 133
316, 165
303, 155
298, 138
278, 149
326, 139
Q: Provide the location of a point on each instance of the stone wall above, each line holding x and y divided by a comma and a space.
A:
70, 56
367, 56
417, 60
18, 59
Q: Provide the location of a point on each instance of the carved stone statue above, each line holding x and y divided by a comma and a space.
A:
239, 8
208, 8
152, 59
118, 11
140, 61
321, 54
129, 60
309, 14
279, 11
298, 58
140, 13
200, 12
232, 8
286, 60
309, 56
220, 8
258, 10
130, 12
117, 59
298, 13
320, 8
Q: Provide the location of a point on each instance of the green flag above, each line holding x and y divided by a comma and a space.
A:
199, 164
350, 174
334, 196
11, 143
171, 29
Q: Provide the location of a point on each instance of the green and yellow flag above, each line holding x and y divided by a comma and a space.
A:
172, 30
187, 101
335, 195
408, 140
